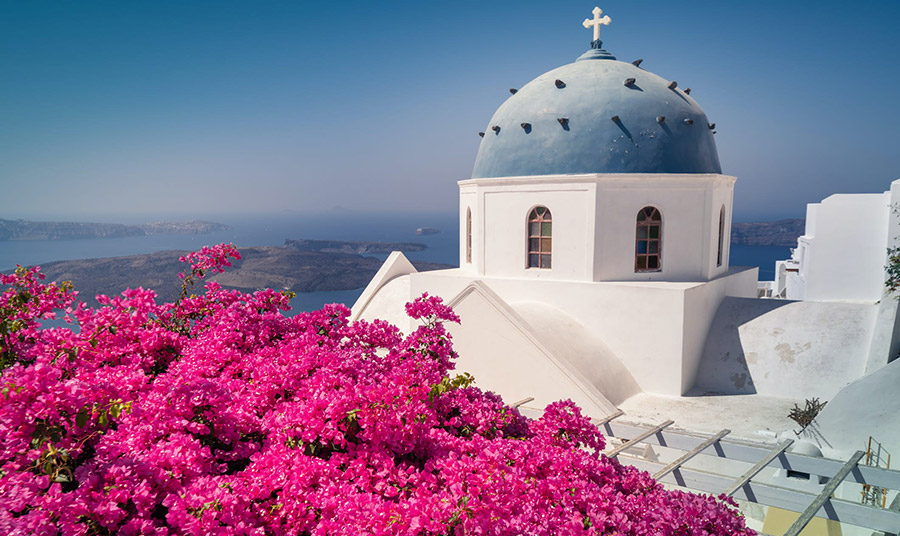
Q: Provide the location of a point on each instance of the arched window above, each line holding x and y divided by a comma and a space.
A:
540, 231
469, 235
721, 236
648, 242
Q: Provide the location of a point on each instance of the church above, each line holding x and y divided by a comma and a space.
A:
594, 265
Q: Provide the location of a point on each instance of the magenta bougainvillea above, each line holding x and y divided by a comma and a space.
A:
217, 414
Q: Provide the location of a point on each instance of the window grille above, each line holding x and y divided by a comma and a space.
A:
648, 241
540, 231
721, 236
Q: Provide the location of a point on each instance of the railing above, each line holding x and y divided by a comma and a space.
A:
767, 289
876, 456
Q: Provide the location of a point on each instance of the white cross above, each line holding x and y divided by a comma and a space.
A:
597, 21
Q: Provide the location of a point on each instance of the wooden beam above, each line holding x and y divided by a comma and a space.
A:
522, 402
845, 511
697, 450
600, 422
640, 437
750, 452
820, 500
743, 479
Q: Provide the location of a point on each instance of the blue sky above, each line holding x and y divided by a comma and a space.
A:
115, 110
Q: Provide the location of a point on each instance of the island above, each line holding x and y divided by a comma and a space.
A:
52, 230
185, 227
298, 266
774, 233
359, 248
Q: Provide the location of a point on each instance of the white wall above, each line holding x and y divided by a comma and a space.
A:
594, 224
643, 323
700, 305
506, 225
497, 347
689, 205
785, 348
468, 199
846, 254
721, 195
843, 251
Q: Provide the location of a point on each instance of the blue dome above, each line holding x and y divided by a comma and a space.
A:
584, 118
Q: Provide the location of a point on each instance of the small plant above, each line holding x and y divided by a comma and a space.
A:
807, 415
892, 268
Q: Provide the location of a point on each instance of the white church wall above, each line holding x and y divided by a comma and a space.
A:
640, 322
684, 202
395, 266
700, 305
497, 348
682, 243
468, 201
579, 348
506, 226
388, 304
741, 282
643, 323
721, 195
656, 329
594, 224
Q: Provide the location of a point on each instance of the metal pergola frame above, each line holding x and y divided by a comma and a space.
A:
809, 505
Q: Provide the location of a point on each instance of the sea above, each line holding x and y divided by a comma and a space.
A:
273, 230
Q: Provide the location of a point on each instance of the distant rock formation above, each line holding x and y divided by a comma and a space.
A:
358, 248
45, 230
52, 230
775, 233
185, 227
300, 270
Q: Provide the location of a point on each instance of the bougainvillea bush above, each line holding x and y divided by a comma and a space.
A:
217, 414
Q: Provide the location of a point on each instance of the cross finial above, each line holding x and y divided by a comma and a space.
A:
597, 22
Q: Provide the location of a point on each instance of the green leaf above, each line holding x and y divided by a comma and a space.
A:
104, 419
81, 418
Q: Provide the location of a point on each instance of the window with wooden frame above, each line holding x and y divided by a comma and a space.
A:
721, 249
648, 241
540, 231
468, 235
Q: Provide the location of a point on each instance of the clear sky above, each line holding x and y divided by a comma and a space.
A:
185, 107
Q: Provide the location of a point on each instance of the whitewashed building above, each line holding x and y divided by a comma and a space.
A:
842, 253
594, 246
593, 237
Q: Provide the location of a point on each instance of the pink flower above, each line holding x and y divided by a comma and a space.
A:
219, 415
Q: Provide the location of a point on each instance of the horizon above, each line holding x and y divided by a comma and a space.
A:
124, 112
284, 215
